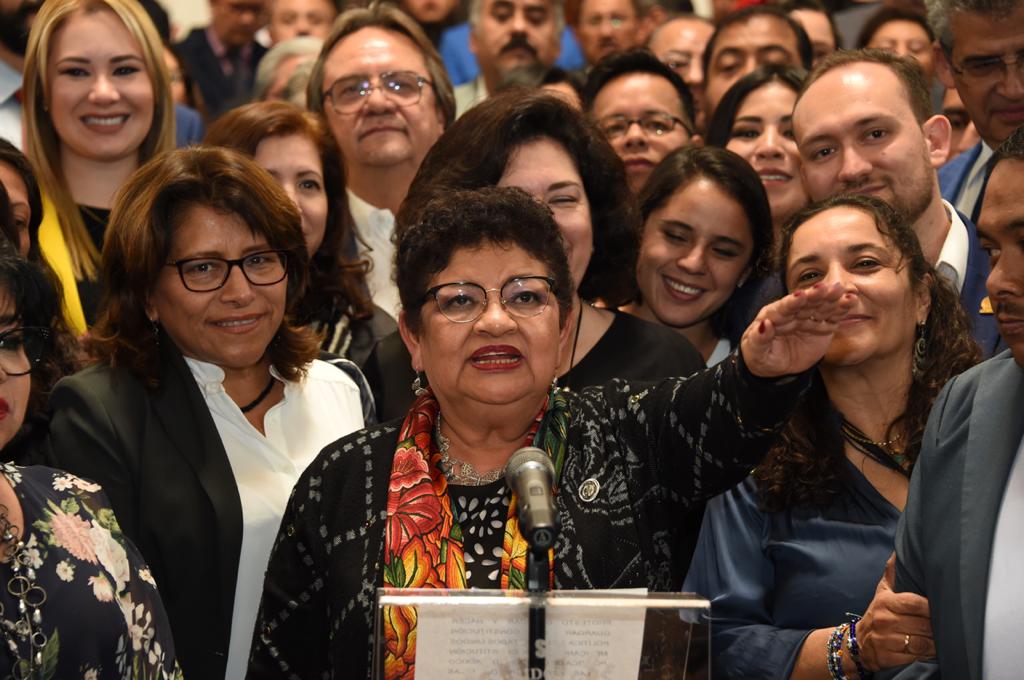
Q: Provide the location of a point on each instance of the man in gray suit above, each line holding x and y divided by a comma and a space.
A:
961, 540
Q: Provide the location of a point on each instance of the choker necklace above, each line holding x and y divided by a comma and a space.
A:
27, 628
459, 472
263, 395
881, 452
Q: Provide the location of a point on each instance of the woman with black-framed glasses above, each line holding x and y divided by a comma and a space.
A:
209, 399
75, 594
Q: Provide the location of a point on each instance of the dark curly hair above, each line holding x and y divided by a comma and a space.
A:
474, 151
805, 466
449, 221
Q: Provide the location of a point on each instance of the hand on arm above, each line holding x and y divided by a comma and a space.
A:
882, 635
791, 335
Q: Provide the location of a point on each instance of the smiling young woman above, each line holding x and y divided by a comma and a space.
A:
97, 106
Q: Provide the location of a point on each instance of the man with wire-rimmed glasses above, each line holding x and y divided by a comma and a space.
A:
980, 52
386, 97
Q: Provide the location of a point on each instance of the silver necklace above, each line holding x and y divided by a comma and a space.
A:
27, 629
459, 472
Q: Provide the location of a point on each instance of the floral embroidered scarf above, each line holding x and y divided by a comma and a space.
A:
422, 540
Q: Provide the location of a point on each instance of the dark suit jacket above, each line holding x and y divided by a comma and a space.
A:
188, 126
219, 92
983, 326
162, 464
944, 539
953, 174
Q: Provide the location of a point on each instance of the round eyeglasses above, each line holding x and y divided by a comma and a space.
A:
464, 302
652, 124
347, 95
203, 274
22, 348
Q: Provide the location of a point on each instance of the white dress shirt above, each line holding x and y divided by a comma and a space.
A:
1003, 654
315, 411
375, 228
10, 108
952, 264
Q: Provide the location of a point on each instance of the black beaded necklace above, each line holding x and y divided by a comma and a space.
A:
258, 400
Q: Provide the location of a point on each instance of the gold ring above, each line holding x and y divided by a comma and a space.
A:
906, 643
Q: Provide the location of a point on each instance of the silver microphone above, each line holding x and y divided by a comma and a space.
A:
530, 474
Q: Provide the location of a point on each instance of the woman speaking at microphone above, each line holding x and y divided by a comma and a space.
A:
421, 502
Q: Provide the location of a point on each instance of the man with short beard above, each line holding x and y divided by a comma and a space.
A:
507, 34
16, 18
864, 125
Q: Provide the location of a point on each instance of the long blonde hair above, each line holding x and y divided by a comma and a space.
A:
42, 141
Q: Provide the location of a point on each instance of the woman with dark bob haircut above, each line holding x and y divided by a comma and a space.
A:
537, 142
208, 400
80, 600
793, 558
755, 120
486, 289
298, 150
707, 227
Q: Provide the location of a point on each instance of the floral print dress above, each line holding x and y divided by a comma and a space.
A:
102, 616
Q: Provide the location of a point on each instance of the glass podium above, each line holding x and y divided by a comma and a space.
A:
587, 635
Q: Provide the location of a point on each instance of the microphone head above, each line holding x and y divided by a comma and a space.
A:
530, 474
528, 456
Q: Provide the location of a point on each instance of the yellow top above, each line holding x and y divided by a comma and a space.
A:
55, 250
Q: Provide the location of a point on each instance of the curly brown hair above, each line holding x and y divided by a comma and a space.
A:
805, 466
147, 212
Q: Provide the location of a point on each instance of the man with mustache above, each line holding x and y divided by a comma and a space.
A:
507, 34
16, 17
960, 542
974, 53
864, 124
384, 91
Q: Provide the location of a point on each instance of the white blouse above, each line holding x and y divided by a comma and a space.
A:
316, 411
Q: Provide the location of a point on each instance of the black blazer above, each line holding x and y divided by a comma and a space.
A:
162, 464
220, 93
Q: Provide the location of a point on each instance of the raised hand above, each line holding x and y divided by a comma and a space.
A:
896, 628
791, 335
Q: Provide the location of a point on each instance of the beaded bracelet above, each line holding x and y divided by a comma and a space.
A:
851, 644
834, 650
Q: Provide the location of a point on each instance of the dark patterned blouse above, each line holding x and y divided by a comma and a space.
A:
641, 458
100, 616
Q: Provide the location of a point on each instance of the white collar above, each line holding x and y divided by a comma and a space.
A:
209, 375
952, 261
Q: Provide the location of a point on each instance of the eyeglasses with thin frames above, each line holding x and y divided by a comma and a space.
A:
22, 348
652, 124
465, 302
205, 274
988, 68
404, 88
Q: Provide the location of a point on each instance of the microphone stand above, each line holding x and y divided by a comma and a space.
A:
538, 568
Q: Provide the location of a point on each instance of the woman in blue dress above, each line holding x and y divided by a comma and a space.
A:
793, 557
